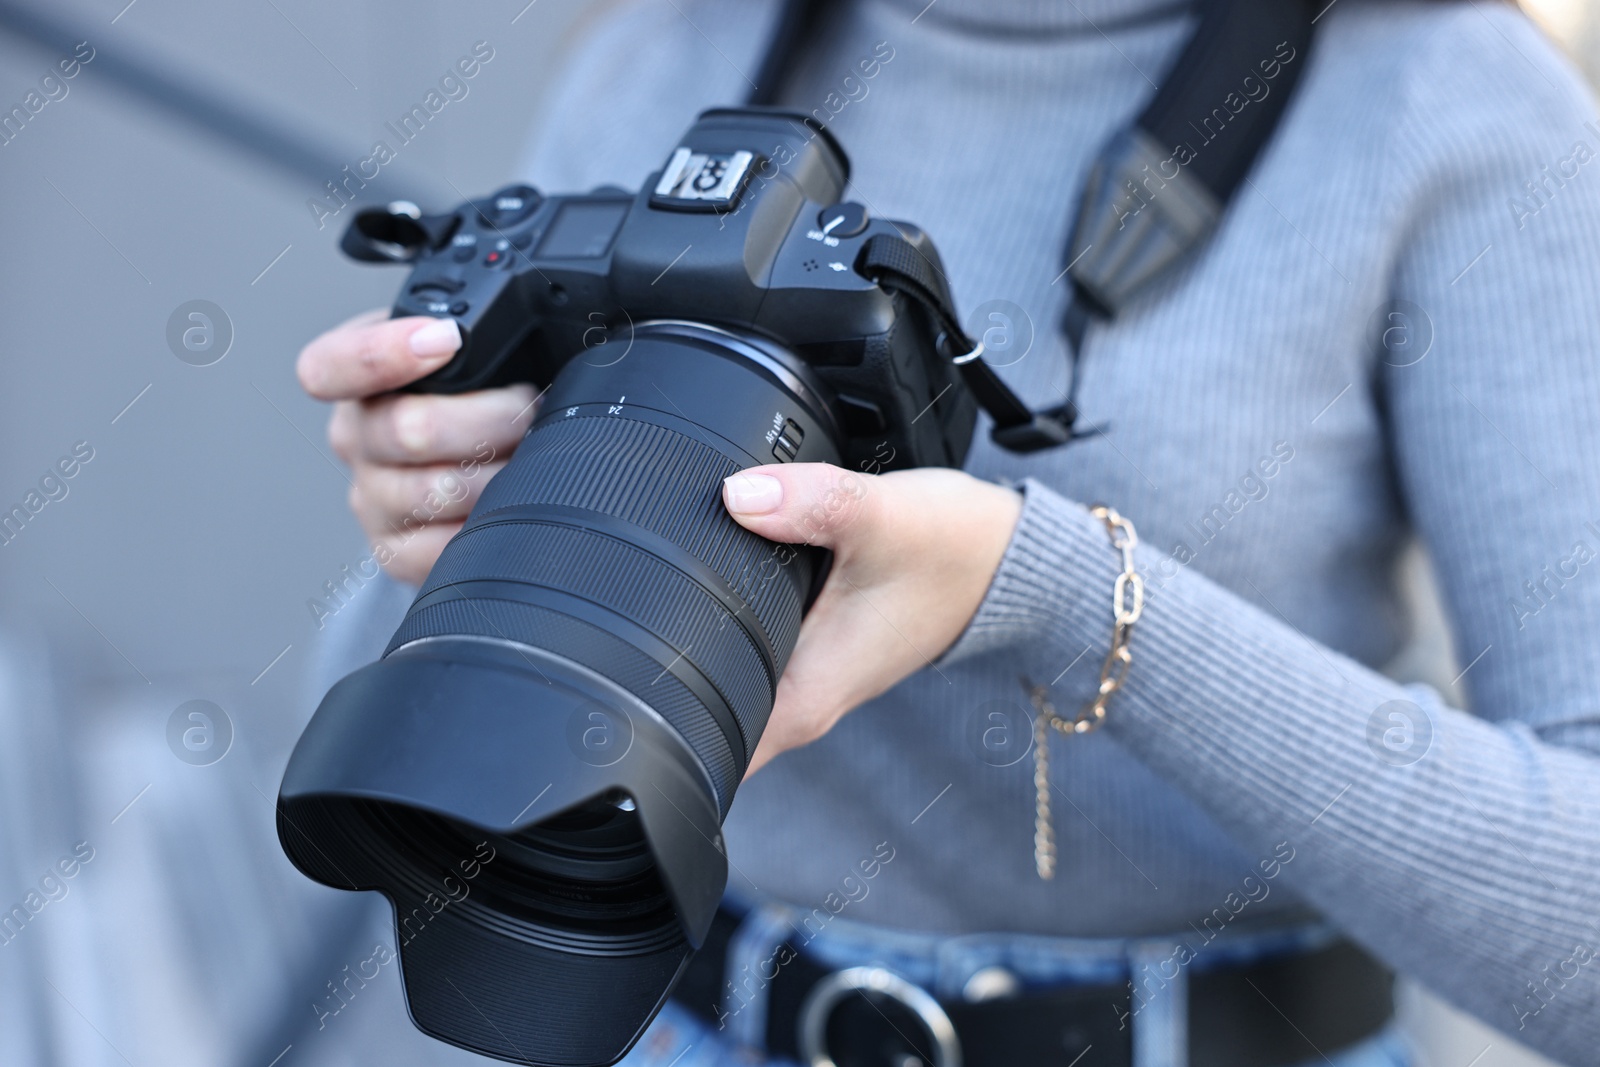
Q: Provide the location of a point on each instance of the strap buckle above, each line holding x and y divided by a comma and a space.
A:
976, 353
891, 261
1127, 232
827, 994
1046, 429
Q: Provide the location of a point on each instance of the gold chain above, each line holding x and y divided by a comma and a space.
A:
1113, 673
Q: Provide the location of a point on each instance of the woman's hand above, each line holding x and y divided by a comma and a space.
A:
418, 462
914, 552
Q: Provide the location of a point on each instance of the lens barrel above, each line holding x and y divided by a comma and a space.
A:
537, 770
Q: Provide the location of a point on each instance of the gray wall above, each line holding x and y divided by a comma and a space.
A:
179, 563
211, 510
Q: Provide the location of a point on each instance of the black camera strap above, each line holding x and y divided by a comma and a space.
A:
1154, 195
1159, 187
796, 22
899, 267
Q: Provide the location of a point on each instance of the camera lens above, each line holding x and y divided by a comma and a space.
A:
588, 868
537, 771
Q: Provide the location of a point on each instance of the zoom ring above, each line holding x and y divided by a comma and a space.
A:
608, 533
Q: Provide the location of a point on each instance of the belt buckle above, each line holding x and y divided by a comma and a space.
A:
826, 995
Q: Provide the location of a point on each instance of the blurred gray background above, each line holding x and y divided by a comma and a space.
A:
180, 563
211, 511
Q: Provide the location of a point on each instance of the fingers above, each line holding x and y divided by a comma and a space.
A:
814, 692
856, 642
914, 553
411, 555
364, 357
384, 496
409, 513
804, 503
421, 429
419, 464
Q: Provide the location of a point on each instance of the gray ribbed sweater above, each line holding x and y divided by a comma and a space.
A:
1274, 464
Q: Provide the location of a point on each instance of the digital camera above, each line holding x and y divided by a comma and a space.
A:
536, 772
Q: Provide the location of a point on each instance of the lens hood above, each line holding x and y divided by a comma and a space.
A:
444, 775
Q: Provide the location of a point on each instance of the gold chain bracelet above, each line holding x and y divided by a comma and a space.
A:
1113, 672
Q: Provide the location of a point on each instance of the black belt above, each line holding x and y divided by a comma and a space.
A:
1267, 1013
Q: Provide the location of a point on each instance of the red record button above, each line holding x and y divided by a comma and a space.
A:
497, 255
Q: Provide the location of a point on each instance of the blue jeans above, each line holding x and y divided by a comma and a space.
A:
944, 965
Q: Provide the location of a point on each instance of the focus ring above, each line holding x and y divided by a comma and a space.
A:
646, 471
628, 583
729, 599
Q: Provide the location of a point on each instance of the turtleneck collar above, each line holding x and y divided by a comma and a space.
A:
1034, 17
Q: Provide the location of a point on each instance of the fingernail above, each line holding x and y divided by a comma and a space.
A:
752, 494
439, 338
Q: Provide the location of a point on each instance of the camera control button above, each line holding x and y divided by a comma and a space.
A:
498, 255
509, 206
464, 248
842, 220
787, 444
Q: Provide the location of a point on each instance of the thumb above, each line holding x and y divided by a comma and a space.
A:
803, 503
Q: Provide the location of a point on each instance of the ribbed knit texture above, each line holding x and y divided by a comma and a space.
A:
1246, 720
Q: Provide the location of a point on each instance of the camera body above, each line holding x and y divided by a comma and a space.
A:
743, 228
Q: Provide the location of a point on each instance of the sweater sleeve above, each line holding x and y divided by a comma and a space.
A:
1461, 848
